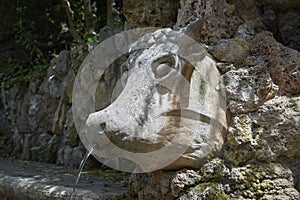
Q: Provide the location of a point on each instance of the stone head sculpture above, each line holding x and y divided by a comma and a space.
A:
167, 109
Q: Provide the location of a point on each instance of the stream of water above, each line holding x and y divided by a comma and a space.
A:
83, 161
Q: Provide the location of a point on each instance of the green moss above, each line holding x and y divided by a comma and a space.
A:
293, 100
213, 193
202, 186
223, 196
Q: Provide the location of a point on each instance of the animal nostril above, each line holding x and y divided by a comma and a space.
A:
103, 125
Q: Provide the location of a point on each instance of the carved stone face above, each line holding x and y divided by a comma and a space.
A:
153, 87
162, 100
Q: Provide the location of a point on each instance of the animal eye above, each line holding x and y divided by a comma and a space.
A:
162, 70
163, 66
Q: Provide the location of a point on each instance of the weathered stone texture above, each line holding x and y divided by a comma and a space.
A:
42, 115
247, 10
288, 28
155, 13
264, 181
283, 62
217, 20
258, 71
217, 181
247, 89
279, 17
230, 50
271, 134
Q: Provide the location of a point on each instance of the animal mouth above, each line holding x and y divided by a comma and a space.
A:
143, 145
191, 114
188, 114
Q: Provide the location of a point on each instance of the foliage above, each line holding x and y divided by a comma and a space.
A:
24, 35
98, 8
22, 75
36, 148
41, 150
117, 21
32, 27
33, 32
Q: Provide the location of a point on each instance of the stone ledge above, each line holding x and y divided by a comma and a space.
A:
33, 180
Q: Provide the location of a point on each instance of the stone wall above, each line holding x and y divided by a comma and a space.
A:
260, 66
40, 116
256, 46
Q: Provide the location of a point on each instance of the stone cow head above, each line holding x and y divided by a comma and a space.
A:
161, 100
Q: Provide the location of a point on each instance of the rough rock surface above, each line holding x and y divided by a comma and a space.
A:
160, 184
247, 89
247, 9
5, 128
217, 181
257, 136
153, 13
215, 20
288, 27
230, 50
264, 181
283, 62
44, 128
279, 17
261, 153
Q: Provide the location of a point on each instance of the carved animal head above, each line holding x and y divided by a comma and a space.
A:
162, 99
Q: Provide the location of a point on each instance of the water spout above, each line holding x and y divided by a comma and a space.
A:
83, 161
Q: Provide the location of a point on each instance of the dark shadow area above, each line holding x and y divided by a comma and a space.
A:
283, 23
